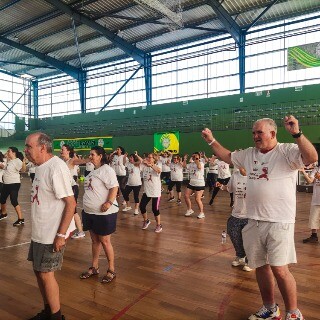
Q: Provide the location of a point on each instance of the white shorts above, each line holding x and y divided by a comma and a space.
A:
269, 243
314, 217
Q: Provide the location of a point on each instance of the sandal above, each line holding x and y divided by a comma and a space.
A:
109, 276
91, 272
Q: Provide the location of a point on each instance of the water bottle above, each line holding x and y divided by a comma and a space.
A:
223, 237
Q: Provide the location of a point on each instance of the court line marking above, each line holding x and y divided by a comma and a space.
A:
143, 294
15, 245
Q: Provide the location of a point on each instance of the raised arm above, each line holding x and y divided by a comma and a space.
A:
220, 151
307, 177
308, 151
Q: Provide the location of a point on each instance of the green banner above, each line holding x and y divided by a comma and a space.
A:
84, 143
166, 141
304, 56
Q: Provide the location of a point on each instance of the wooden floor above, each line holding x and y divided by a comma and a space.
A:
182, 273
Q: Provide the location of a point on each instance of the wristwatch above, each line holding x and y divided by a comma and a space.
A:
297, 135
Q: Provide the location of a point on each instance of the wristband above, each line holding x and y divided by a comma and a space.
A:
297, 135
60, 235
210, 143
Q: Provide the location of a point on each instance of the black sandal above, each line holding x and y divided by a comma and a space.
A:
91, 272
109, 276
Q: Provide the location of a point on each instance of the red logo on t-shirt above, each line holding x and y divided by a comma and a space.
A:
35, 197
264, 175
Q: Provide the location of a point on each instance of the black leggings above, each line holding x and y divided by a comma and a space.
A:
11, 190
128, 189
122, 180
177, 183
217, 189
155, 204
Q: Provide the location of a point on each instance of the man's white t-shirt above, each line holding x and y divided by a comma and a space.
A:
165, 163
316, 188
118, 166
223, 170
271, 184
11, 172
134, 178
238, 186
52, 182
151, 182
96, 189
196, 175
176, 172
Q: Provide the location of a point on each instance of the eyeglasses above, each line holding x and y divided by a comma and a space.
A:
195, 158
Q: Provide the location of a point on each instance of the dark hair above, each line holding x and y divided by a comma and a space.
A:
70, 149
100, 151
1, 157
45, 140
134, 156
18, 154
122, 149
198, 153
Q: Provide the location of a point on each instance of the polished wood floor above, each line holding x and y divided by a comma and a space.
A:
182, 273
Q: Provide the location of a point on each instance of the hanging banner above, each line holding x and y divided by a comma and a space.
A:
83, 143
305, 56
166, 141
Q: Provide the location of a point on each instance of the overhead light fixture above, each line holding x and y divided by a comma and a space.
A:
26, 76
164, 10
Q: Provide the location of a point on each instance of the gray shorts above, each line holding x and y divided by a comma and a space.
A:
269, 243
43, 257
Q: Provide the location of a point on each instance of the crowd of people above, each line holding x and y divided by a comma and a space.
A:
261, 225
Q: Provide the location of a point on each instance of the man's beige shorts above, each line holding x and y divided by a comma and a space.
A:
269, 243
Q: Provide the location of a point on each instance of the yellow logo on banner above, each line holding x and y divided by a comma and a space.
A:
166, 141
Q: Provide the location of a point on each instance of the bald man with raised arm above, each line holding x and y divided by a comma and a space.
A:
271, 208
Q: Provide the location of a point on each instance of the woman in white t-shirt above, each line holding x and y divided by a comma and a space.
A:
99, 213
176, 178
314, 216
224, 175
117, 163
152, 190
237, 185
133, 183
212, 175
165, 159
68, 155
3, 162
31, 168
11, 183
196, 184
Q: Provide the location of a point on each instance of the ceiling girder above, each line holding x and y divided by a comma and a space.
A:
71, 71
128, 48
231, 26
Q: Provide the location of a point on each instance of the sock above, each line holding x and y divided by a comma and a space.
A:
56, 316
296, 312
314, 235
47, 309
270, 306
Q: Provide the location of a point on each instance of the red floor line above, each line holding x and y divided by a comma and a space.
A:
227, 299
125, 309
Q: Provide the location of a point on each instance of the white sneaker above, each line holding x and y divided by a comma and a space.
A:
189, 213
126, 209
136, 212
246, 268
124, 203
239, 262
201, 215
78, 235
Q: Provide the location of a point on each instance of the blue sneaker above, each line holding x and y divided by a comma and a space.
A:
266, 314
